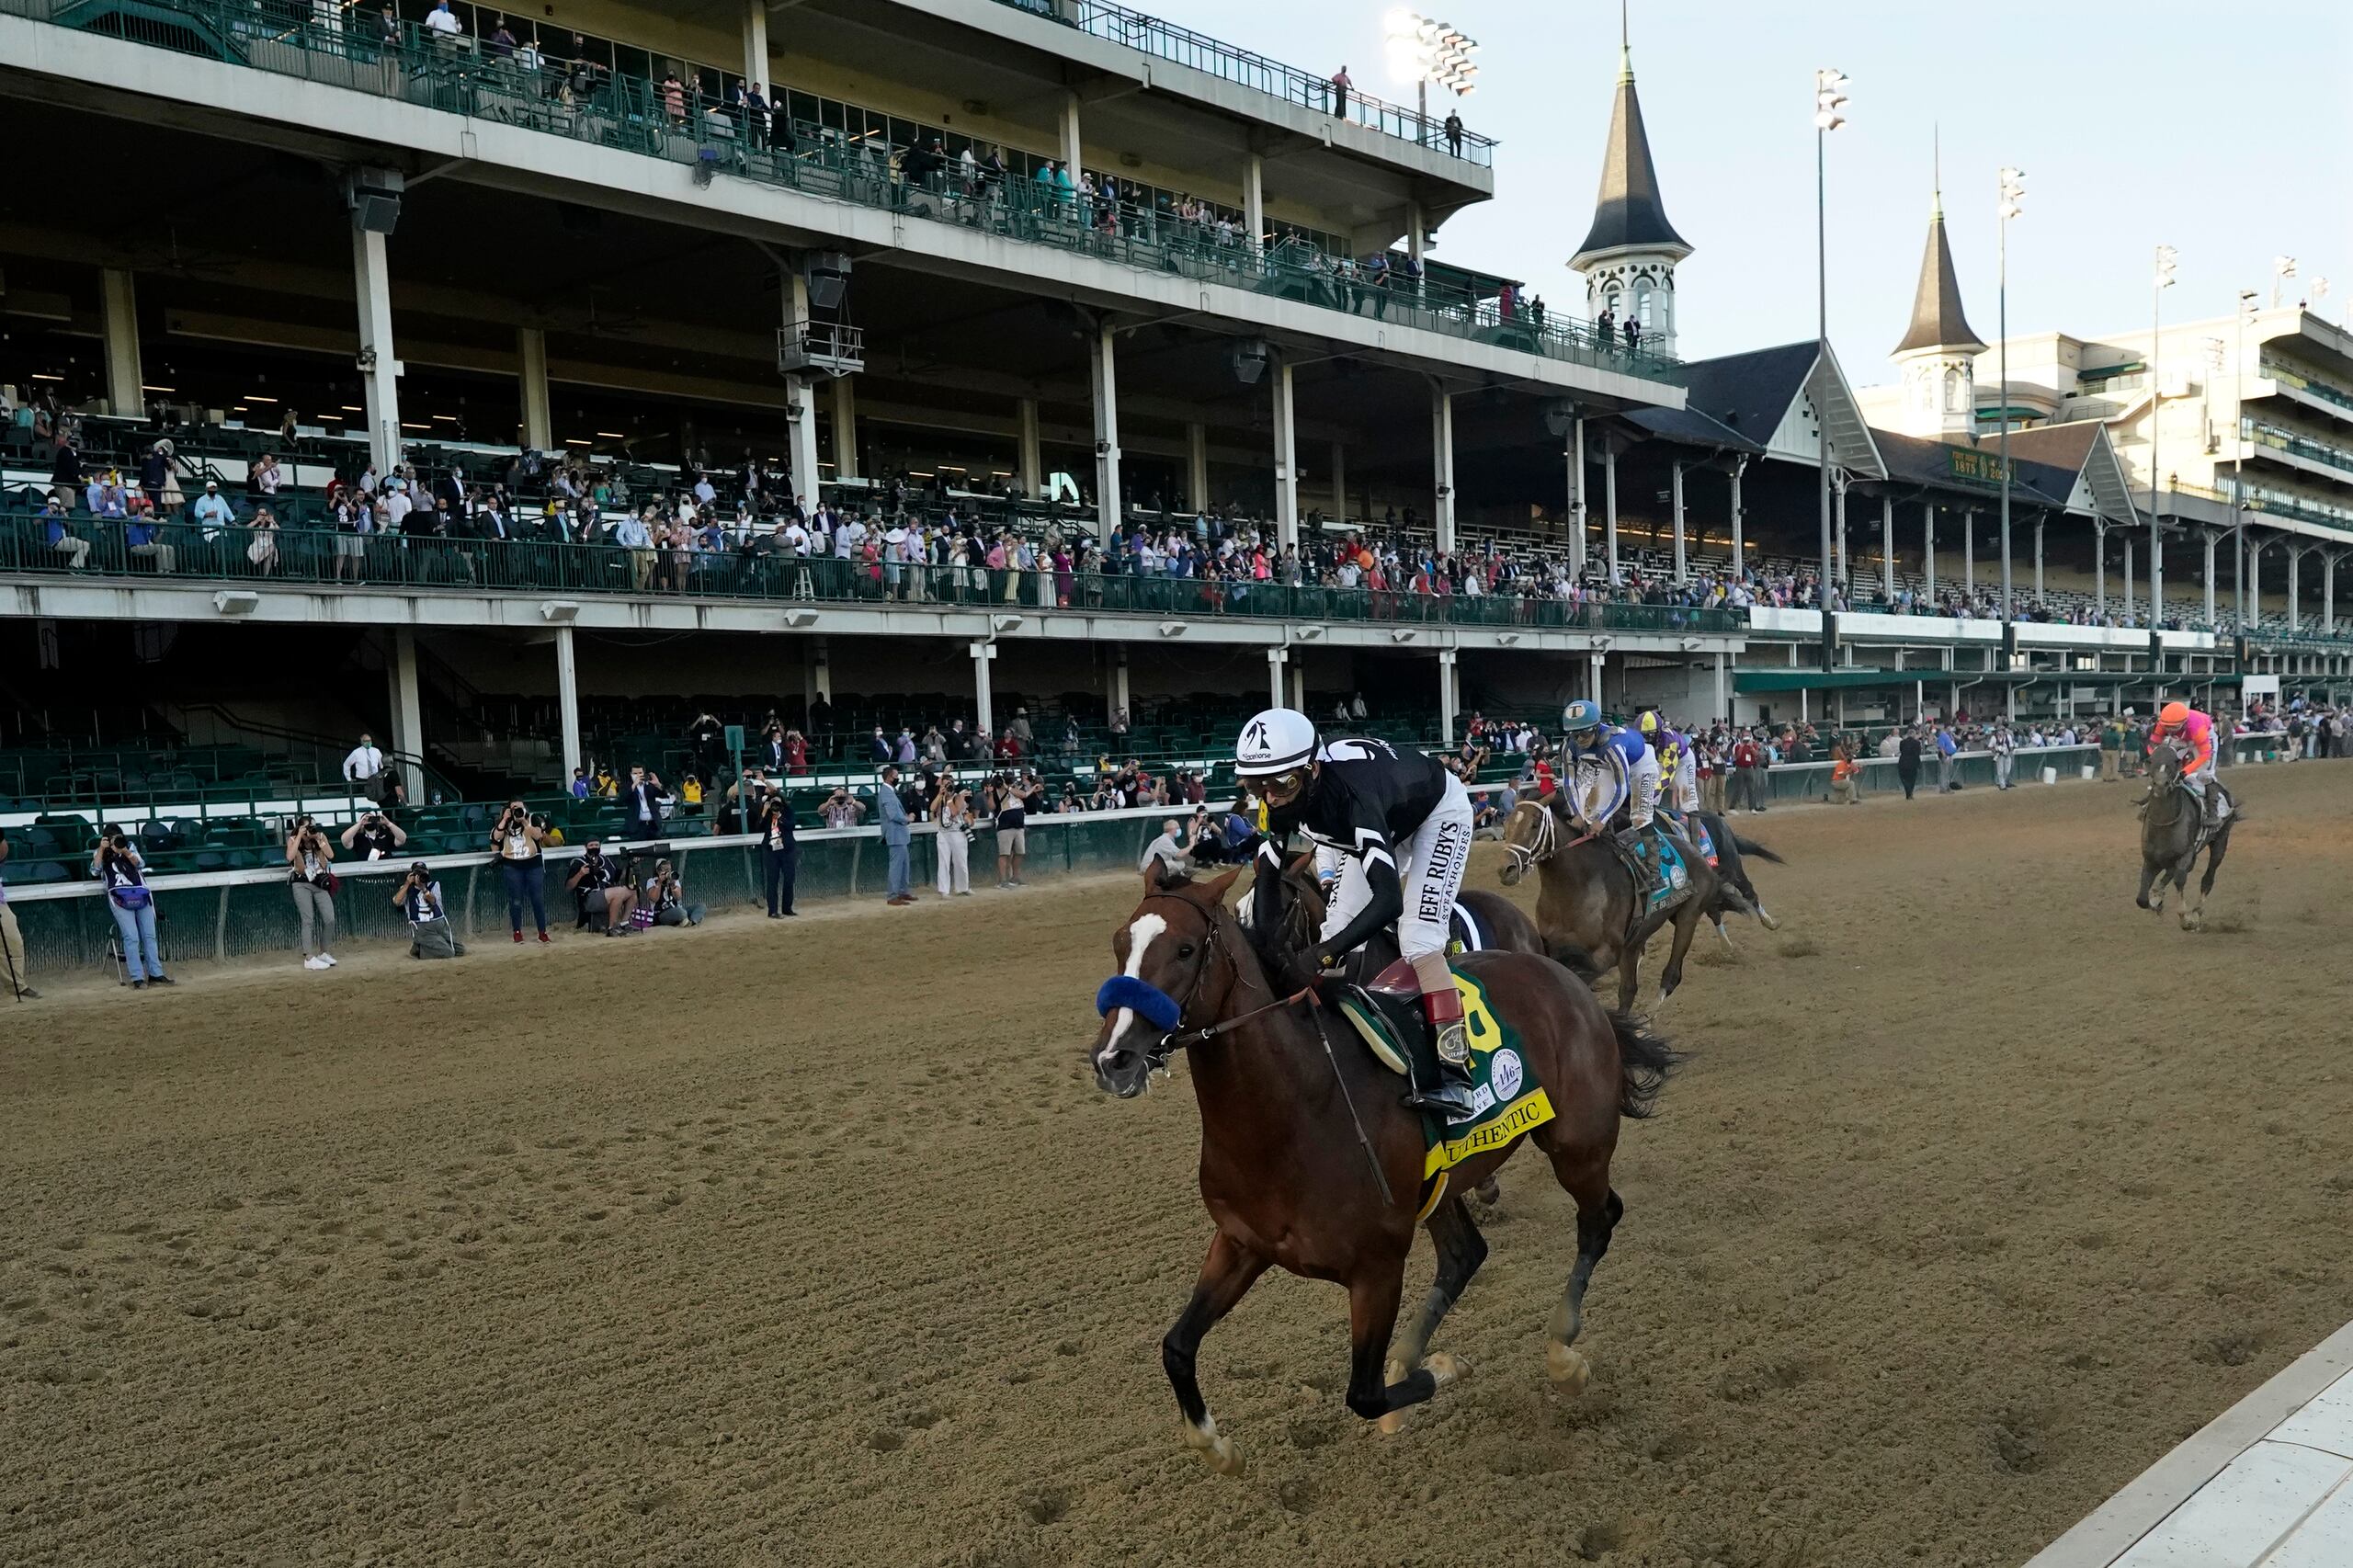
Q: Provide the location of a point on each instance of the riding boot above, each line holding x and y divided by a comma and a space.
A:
1451, 1096
1635, 848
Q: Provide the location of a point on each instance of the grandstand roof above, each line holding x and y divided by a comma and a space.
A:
1628, 213
1751, 395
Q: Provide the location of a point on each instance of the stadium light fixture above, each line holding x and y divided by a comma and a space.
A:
237, 601
2282, 268
1829, 99
800, 619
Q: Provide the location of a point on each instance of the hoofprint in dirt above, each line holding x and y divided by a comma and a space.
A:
764, 1245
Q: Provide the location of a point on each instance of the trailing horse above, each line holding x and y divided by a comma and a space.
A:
1732, 855
1588, 908
1292, 1109
2170, 845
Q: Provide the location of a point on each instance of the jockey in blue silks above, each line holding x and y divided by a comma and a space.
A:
1610, 770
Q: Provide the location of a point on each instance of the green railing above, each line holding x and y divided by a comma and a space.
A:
2326, 391
2304, 447
181, 552
680, 124
1166, 40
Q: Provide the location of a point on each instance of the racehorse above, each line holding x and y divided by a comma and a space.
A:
1286, 1095
1733, 854
1503, 926
1588, 908
2169, 842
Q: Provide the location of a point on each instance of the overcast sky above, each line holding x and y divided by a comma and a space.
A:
2224, 130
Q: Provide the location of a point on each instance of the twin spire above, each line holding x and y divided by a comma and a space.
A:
1629, 214
1936, 319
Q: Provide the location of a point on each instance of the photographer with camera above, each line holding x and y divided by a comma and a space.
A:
516, 841
115, 861
602, 887
374, 835
419, 898
951, 809
666, 894
841, 809
310, 856
780, 850
1011, 809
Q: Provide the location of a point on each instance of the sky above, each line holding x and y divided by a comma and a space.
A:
2224, 130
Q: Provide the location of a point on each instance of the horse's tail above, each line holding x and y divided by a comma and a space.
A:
1752, 850
1576, 960
1643, 1060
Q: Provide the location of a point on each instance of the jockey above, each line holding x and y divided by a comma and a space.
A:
1400, 825
2197, 733
1609, 767
1678, 771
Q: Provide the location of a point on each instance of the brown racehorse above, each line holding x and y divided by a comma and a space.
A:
1587, 905
1282, 1089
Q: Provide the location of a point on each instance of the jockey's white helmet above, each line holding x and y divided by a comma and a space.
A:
1276, 741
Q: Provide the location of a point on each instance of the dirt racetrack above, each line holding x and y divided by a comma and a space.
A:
815, 1244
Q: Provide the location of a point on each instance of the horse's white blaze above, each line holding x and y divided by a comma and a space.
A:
1140, 935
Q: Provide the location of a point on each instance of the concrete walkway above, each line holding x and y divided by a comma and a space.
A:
2268, 1484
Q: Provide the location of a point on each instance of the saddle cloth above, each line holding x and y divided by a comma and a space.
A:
1386, 1016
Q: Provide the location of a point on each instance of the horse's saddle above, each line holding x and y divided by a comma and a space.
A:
1387, 1014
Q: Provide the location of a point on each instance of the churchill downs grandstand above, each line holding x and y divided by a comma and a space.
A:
474, 482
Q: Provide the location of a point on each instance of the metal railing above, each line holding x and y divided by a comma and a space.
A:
680, 124
2272, 436
1166, 40
2326, 391
182, 552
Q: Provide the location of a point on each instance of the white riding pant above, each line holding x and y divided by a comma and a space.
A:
1685, 790
1642, 790
1429, 866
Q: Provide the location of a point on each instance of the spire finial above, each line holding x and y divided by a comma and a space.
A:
1625, 50
1936, 171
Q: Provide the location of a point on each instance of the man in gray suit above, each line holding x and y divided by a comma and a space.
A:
892, 813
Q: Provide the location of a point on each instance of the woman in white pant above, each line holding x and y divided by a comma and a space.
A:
951, 810
310, 858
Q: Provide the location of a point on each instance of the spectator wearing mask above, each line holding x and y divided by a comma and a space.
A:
2004, 752
1907, 762
641, 805
1168, 849
892, 811
1946, 749
951, 810
116, 863
419, 898
1747, 774
363, 768
2111, 750
779, 850
374, 835
310, 859
602, 890
12, 942
516, 842
666, 895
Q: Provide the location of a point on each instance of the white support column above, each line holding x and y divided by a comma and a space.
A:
1074, 151
1682, 567
1276, 659
1286, 460
1414, 230
1722, 711
538, 416
821, 669
2252, 614
1577, 498
1594, 661
1119, 703
1298, 688
1449, 693
380, 370
2156, 572
2209, 577
1340, 481
408, 712
1442, 462
2328, 594
1610, 508
567, 698
2037, 557
1197, 466
799, 401
1838, 487
755, 42
1253, 200
1739, 520
1928, 552
2099, 565
2128, 573
1031, 475
1105, 354
1887, 548
1968, 553
2295, 573
845, 423
984, 708
119, 321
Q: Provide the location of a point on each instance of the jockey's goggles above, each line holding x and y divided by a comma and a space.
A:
1283, 789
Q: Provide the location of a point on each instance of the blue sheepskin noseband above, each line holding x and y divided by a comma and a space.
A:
1148, 1001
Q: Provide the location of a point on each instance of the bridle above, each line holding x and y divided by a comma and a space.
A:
1156, 1054
1548, 844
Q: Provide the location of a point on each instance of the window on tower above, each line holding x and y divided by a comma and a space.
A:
1952, 391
